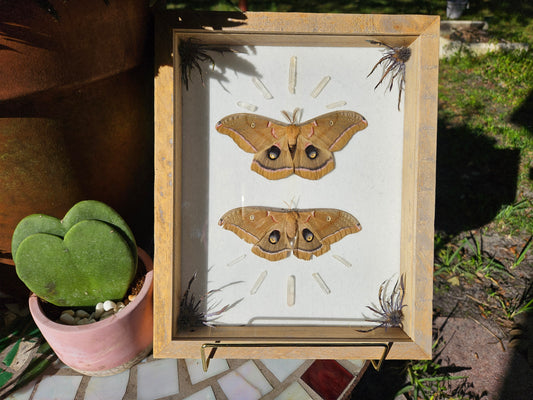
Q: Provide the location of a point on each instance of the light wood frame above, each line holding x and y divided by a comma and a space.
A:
421, 34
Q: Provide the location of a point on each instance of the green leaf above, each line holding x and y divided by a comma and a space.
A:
12, 353
5, 376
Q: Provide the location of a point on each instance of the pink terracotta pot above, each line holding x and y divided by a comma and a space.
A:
106, 347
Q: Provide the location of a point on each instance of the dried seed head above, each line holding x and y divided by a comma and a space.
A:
390, 310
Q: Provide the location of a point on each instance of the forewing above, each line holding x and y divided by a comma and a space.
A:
251, 132
335, 129
256, 225
327, 226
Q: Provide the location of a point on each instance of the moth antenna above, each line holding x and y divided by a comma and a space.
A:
287, 116
297, 115
292, 204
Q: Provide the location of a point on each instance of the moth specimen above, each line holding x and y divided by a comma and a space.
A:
394, 64
390, 310
281, 149
276, 232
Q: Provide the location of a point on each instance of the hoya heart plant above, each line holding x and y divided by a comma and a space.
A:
87, 257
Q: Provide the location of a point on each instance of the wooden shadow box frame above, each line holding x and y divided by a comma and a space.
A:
414, 339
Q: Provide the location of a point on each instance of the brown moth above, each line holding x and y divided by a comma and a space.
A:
276, 232
282, 149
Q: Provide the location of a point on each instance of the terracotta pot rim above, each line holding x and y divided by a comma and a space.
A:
37, 311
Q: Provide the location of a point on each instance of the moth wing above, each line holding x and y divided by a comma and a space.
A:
308, 240
335, 129
255, 225
275, 161
251, 132
312, 159
326, 226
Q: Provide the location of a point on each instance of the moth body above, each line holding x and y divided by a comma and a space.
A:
276, 233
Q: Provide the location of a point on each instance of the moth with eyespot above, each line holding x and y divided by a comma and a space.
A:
277, 232
281, 149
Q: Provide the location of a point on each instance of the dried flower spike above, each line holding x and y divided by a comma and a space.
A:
192, 53
191, 316
389, 312
394, 64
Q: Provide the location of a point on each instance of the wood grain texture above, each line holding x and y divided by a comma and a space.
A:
418, 179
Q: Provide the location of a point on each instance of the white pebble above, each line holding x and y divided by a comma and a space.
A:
132, 297
69, 312
82, 314
83, 321
66, 318
109, 305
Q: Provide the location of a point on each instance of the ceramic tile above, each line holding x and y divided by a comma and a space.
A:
245, 383
196, 372
107, 387
282, 368
23, 393
57, 387
359, 364
157, 379
204, 394
328, 378
294, 392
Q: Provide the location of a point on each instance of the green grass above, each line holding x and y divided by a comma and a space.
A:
485, 110
511, 20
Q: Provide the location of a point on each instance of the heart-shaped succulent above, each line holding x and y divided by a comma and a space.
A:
88, 257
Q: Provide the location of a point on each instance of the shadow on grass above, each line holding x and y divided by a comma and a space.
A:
474, 179
523, 115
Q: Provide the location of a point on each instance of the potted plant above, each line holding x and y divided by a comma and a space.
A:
87, 258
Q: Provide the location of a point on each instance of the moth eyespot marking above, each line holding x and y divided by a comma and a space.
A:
311, 151
252, 217
328, 218
308, 235
274, 152
274, 237
252, 125
331, 122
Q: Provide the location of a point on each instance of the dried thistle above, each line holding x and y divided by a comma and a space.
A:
191, 316
394, 64
389, 312
192, 53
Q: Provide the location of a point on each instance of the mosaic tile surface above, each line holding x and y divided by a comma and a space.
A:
197, 374
57, 387
294, 392
328, 378
157, 379
171, 379
107, 387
